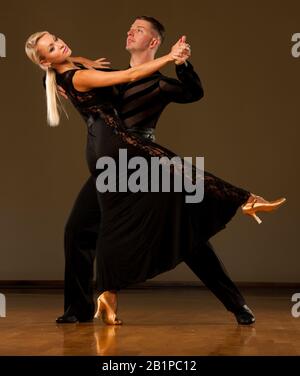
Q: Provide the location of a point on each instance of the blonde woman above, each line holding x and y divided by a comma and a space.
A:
145, 233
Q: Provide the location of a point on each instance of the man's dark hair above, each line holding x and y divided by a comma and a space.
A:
156, 25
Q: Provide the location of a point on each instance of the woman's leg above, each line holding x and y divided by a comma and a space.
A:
107, 301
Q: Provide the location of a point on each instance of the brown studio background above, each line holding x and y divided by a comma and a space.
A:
246, 126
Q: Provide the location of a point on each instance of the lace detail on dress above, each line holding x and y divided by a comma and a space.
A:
212, 184
88, 103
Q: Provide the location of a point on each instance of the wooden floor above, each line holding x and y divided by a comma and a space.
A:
171, 321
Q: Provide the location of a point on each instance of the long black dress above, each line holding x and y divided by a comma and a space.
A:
143, 234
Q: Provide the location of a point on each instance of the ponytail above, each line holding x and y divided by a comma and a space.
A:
53, 115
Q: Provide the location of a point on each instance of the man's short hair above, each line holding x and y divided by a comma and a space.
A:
156, 25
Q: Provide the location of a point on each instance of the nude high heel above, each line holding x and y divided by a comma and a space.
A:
260, 204
105, 311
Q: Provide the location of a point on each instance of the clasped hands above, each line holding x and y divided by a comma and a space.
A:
181, 51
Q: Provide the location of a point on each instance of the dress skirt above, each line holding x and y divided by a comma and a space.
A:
143, 234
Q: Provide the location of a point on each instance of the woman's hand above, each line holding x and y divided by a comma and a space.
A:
62, 92
91, 64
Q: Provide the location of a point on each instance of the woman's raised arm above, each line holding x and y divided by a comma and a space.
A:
84, 80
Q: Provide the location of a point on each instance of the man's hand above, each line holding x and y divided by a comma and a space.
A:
91, 64
186, 53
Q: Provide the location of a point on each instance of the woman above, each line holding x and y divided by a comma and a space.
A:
143, 233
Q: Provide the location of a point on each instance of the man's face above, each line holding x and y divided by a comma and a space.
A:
141, 36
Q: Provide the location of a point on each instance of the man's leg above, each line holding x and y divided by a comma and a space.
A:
204, 262
81, 233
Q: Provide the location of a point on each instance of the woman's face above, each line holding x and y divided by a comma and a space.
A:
52, 50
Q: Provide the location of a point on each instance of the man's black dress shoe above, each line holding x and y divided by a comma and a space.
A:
244, 316
71, 319
65, 319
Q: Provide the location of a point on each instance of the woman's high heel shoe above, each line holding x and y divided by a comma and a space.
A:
260, 204
106, 312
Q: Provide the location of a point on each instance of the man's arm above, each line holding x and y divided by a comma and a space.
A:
187, 89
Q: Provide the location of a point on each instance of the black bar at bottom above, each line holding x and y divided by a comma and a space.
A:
151, 365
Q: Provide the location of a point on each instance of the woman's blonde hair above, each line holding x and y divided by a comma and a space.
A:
52, 98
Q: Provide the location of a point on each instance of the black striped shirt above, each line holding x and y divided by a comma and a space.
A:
142, 101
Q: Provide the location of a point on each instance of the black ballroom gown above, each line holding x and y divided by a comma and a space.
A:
143, 234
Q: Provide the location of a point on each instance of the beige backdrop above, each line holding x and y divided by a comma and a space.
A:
246, 126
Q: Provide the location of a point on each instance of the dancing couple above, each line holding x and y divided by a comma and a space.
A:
136, 236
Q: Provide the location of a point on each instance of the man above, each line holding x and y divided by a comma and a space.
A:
141, 103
